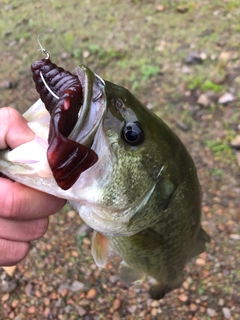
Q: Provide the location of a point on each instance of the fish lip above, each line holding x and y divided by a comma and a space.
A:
93, 106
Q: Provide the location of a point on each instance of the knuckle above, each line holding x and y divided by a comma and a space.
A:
12, 252
9, 113
39, 228
12, 205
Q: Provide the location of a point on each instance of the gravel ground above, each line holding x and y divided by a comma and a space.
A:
180, 58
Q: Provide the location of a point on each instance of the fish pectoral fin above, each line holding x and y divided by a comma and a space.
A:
128, 274
200, 244
100, 249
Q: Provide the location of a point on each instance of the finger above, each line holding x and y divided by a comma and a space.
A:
23, 230
14, 129
21, 202
12, 252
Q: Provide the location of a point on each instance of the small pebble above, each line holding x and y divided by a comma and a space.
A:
154, 312
5, 297
86, 54
116, 316
14, 303
86, 241
92, 293
113, 279
226, 99
31, 310
203, 100
238, 157
68, 309
88, 317
235, 236
225, 56
186, 70
226, 313
220, 302
155, 303
46, 301
38, 294
65, 55
7, 84
10, 270
46, 312
193, 307
160, 8
28, 289
9, 286
132, 309
203, 55
76, 286
63, 292
183, 126
211, 312
193, 58
182, 9
116, 304
183, 297
200, 262
235, 143
81, 311
71, 213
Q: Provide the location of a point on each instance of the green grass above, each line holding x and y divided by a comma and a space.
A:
149, 71
221, 149
200, 82
217, 172
209, 85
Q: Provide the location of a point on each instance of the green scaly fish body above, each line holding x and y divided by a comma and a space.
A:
143, 199
169, 216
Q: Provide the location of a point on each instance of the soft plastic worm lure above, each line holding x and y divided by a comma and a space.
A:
62, 93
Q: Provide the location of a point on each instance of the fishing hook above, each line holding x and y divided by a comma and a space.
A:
41, 47
47, 58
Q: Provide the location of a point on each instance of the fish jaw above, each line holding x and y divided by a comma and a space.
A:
38, 119
30, 158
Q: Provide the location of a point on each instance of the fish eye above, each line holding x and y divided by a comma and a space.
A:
133, 134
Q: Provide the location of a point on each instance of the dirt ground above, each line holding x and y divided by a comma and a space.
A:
180, 58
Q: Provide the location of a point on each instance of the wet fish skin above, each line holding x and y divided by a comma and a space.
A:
171, 219
143, 201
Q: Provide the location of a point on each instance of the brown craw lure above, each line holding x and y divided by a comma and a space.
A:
62, 93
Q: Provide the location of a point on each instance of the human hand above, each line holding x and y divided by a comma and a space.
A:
24, 211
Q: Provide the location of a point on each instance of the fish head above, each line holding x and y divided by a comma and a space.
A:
100, 148
135, 166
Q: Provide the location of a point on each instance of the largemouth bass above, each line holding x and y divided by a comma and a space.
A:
120, 166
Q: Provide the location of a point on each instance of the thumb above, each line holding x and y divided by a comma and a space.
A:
14, 130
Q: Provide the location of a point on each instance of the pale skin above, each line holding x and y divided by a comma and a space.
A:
24, 212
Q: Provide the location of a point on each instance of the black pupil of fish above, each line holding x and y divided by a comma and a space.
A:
133, 134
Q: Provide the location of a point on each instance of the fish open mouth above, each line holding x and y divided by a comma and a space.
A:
76, 104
